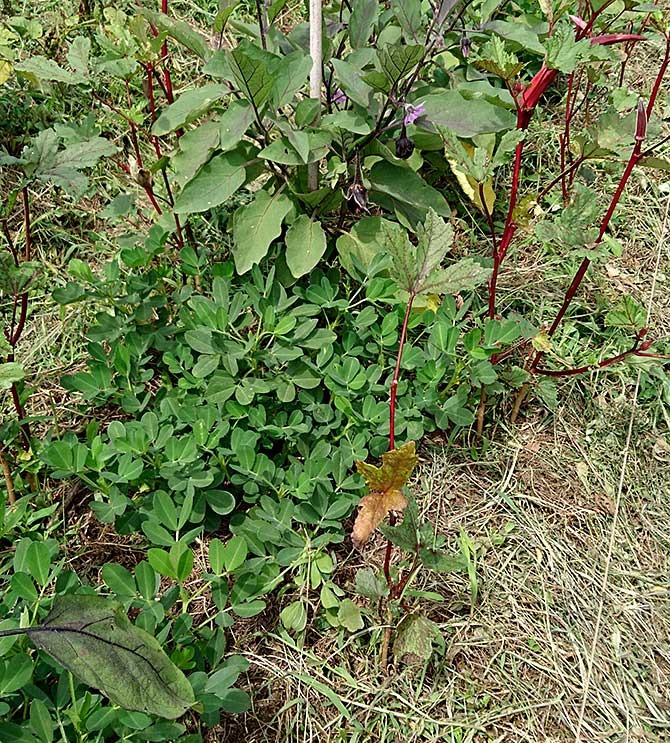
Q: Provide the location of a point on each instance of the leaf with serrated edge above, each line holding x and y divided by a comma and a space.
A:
403, 257
384, 484
466, 274
435, 239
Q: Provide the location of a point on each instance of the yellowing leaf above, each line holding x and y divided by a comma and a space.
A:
542, 342
385, 484
470, 185
5, 71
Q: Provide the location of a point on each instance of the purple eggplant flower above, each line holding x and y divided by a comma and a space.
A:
339, 97
412, 113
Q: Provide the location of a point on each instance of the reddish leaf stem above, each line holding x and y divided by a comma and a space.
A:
396, 372
638, 349
392, 407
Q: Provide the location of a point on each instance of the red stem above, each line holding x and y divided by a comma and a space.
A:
659, 78
159, 154
392, 406
600, 365
164, 54
499, 251
643, 117
396, 373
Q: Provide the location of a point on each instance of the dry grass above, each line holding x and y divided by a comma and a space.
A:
569, 639
516, 665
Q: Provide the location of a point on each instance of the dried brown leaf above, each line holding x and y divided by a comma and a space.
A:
385, 484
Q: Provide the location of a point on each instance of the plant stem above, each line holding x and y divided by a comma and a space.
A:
9, 483
635, 157
392, 407
315, 74
159, 153
261, 24
396, 372
164, 54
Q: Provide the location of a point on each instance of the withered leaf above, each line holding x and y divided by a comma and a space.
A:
385, 485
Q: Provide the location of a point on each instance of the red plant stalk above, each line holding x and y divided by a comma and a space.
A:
635, 157
164, 54
157, 149
526, 103
392, 407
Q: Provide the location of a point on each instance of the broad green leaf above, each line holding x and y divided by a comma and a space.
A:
494, 58
305, 245
226, 7
405, 186
214, 184
435, 238
179, 31
348, 121
289, 76
10, 373
195, 149
252, 76
93, 638
465, 118
408, 13
233, 124
370, 585
255, 226
416, 269
84, 154
46, 69
398, 61
527, 37
564, 53
78, 55
363, 17
281, 151
349, 78
441, 561
464, 275
188, 107
364, 243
